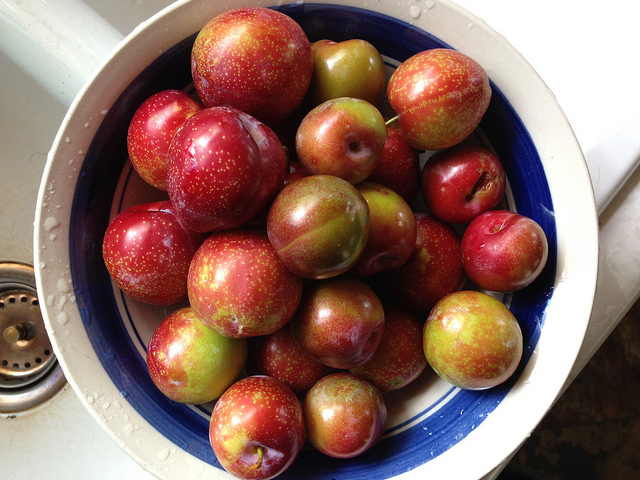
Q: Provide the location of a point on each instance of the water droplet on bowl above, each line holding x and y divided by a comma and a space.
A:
63, 286
62, 318
130, 428
163, 454
51, 223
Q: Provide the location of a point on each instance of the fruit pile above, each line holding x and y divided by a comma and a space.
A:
313, 262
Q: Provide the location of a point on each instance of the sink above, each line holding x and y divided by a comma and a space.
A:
43, 441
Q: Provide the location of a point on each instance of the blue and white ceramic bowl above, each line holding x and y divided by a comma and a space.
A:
434, 430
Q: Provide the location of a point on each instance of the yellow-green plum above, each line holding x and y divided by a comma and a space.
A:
472, 340
190, 363
351, 68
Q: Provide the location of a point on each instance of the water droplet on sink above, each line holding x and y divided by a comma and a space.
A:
430, 4
415, 11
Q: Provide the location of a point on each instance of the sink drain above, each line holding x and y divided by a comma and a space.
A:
29, 371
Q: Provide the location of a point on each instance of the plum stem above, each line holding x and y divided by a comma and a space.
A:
258, 463
391, 120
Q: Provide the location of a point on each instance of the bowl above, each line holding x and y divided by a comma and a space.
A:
434, 430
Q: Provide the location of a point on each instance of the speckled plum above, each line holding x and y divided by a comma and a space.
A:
151, 130
398, 166
319, 226
345, 415
504, 251
440, 96
255, 59
433, 270
224, 168
339, 321
147, 253
238, 286
279, 355
399, 359
472, 340
190, 363
257, 428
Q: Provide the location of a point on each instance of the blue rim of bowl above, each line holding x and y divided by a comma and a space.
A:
459, 412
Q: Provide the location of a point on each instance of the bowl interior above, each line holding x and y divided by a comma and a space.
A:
426, 419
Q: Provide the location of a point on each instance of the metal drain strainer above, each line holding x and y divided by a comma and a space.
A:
29, 371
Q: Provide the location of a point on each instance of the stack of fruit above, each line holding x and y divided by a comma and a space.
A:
314, 263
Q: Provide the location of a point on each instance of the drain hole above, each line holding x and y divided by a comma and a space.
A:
29, 372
